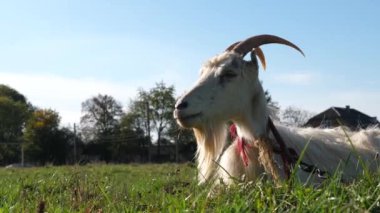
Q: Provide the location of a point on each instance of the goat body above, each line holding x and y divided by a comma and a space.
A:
229, 90
330, 150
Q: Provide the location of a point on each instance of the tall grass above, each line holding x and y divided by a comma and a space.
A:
172, 188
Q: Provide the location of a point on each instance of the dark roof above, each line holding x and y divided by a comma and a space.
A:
337, 116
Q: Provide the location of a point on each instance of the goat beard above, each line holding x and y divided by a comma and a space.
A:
266, 157
210, 142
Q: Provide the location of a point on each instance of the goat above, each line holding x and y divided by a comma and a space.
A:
229, 90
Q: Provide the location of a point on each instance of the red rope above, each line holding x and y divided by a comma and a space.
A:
242, 145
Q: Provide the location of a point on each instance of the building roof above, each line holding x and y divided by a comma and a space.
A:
337, 116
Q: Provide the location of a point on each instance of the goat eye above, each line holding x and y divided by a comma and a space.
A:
229, 74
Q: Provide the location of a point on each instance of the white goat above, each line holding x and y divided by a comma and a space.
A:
229, 90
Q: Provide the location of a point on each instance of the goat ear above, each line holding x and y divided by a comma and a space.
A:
253, 59
260, 54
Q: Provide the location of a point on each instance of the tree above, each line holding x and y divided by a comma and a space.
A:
13, 115
152, 112
45, 141
132, 144
100, 123
137, 124
14, 111
74, 143
130, 128
162, 102
294, 116
139, 114
101, 117
6, 91
185, 142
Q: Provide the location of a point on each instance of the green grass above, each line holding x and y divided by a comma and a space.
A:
171, 188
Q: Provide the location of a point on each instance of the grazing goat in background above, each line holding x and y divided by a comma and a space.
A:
229, 90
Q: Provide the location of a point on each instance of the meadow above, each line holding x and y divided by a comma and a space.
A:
171, 188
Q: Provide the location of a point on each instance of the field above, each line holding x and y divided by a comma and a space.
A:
170, 188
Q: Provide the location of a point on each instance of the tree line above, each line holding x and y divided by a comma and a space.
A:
143, 131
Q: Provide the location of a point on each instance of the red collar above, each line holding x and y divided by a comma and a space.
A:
242, 145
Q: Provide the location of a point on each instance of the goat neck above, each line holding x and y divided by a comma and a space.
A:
252, 123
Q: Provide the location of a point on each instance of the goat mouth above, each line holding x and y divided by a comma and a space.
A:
189, 117
186, 120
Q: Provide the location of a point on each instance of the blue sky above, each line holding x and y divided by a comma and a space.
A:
59, 53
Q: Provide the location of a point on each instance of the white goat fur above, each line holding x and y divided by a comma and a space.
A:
241, 99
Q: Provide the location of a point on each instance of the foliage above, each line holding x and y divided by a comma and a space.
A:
110, 135
162, 103
101, 117
172, 188
14, 111
138, 117
294, 116
12, 118
6, 91
134, 143
184, 140
152, 112
45, 142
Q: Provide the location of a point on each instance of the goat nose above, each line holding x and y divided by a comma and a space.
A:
182, 105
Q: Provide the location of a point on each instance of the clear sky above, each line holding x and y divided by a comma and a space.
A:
60, 53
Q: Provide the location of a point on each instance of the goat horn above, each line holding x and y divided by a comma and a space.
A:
247, 45
260, 54
232, 46
257, 51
